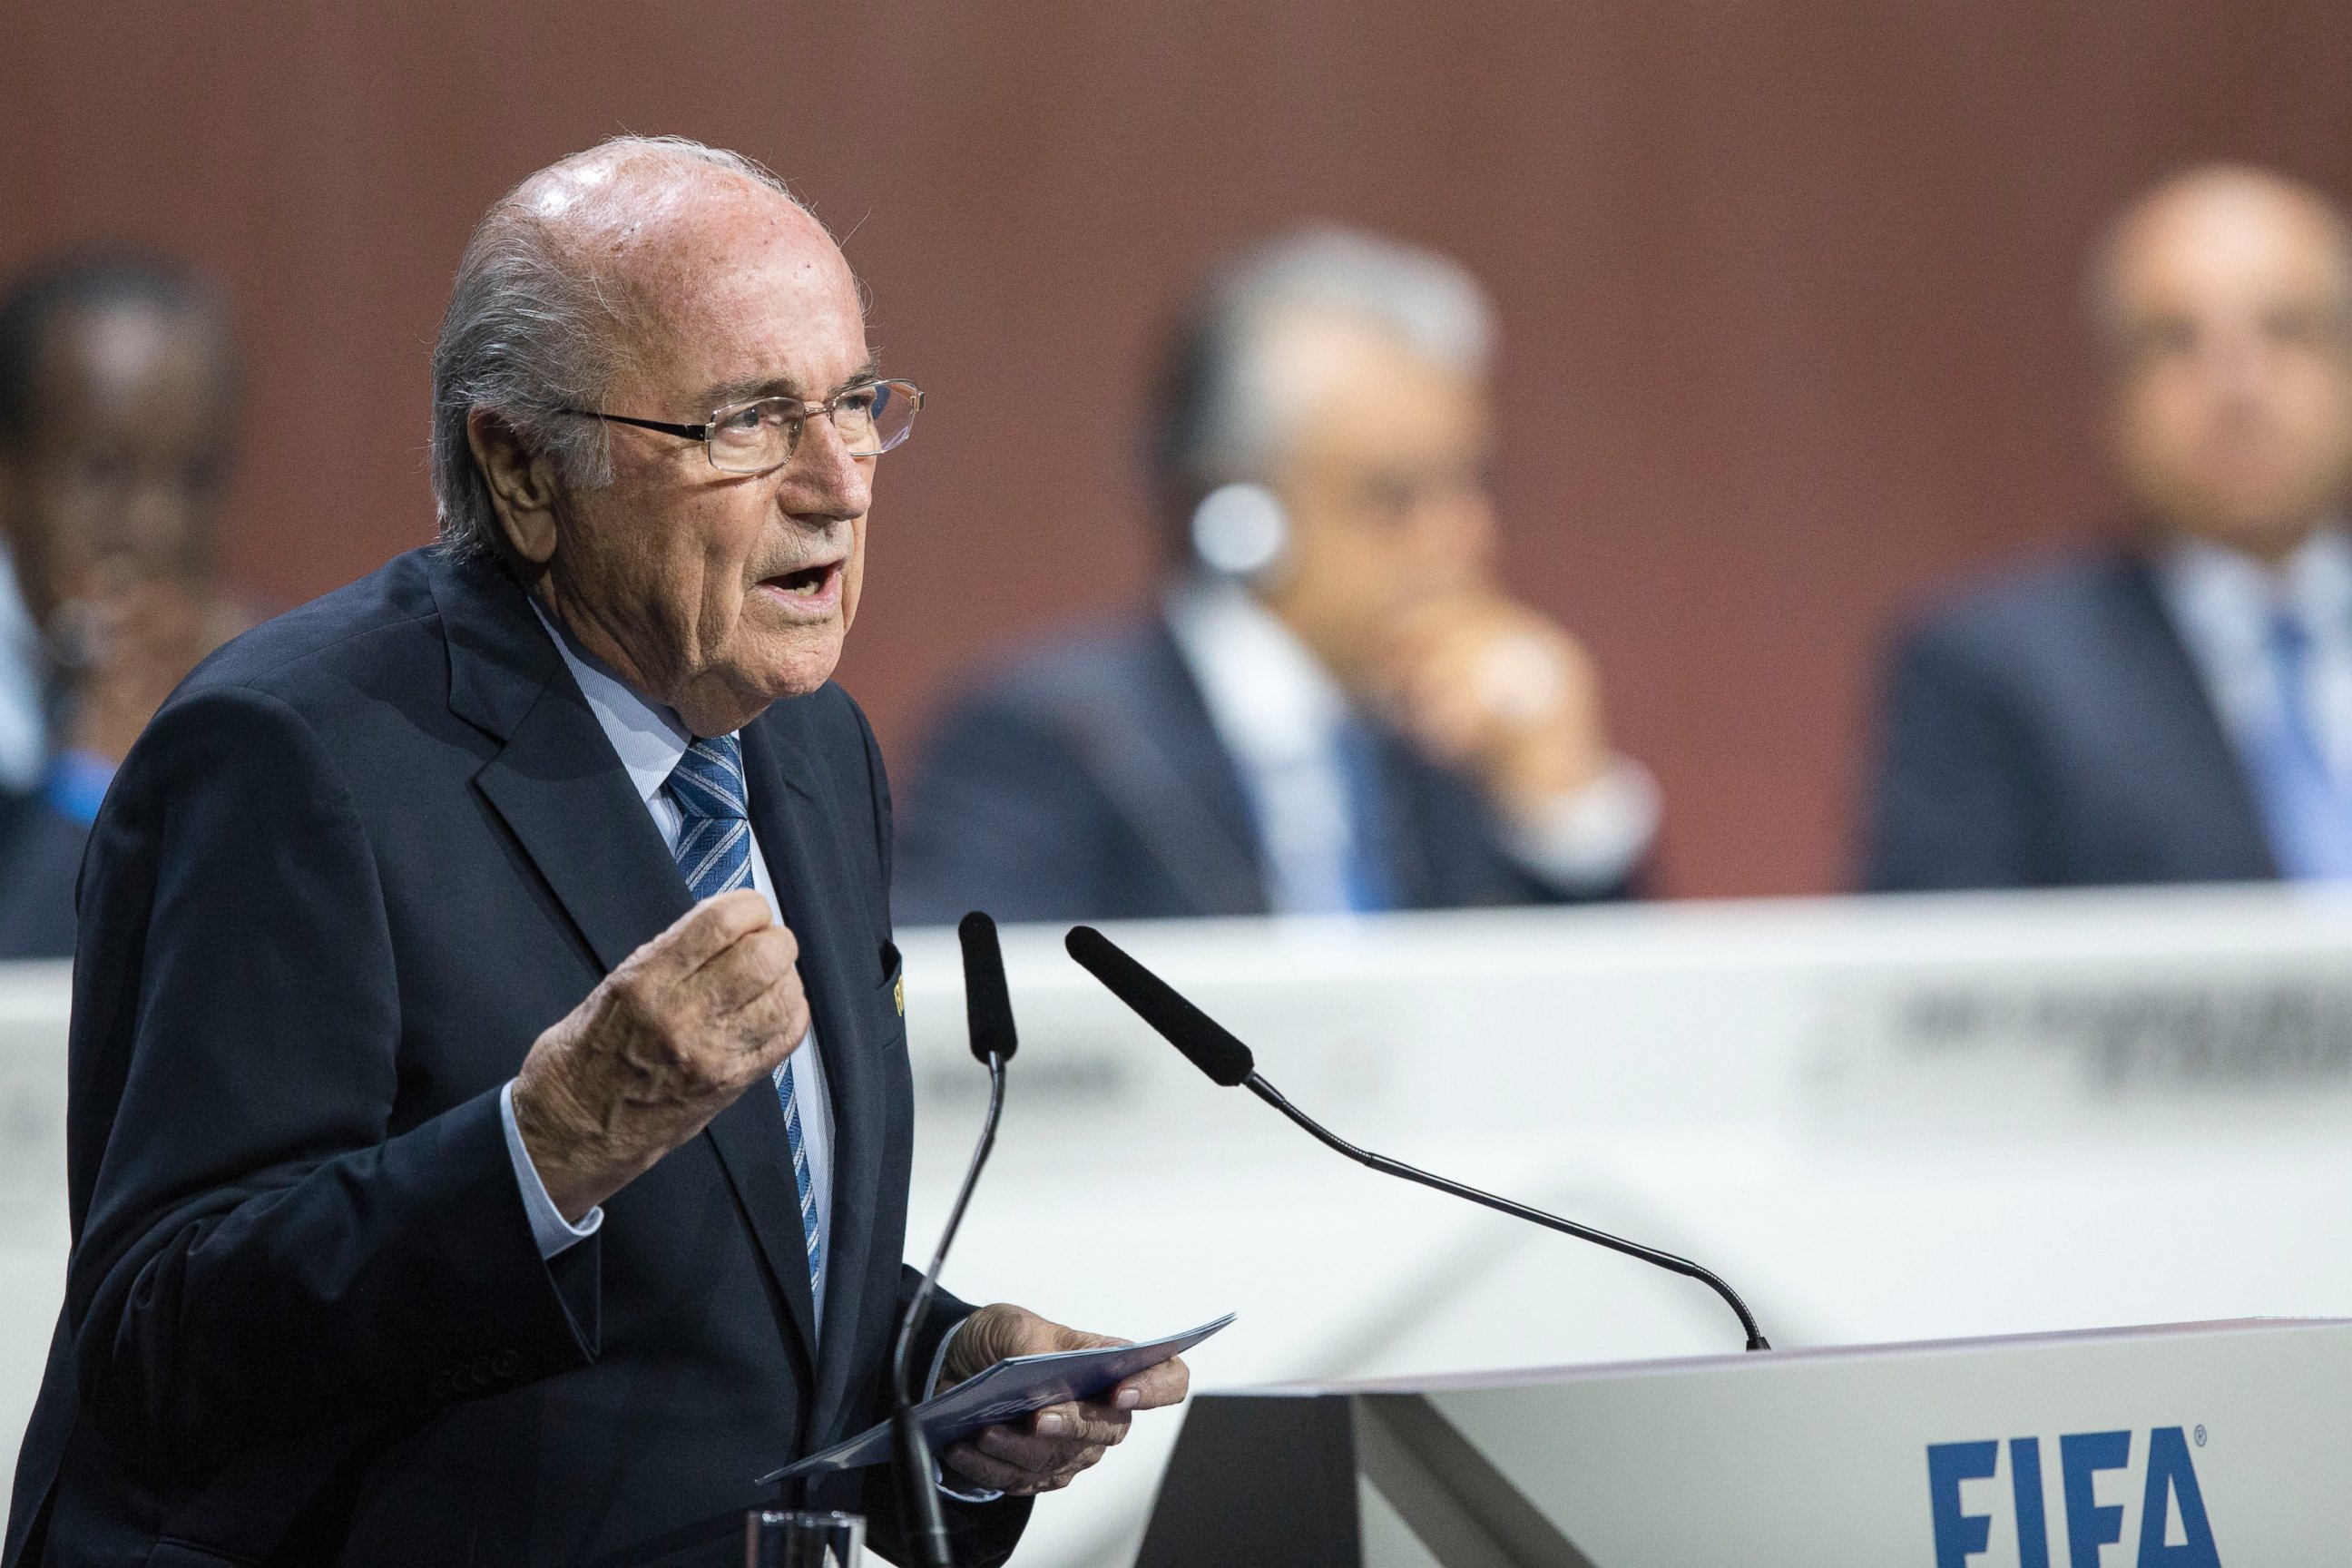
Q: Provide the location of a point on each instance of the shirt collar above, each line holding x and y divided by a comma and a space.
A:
647, 737
1268, 696
2223, 595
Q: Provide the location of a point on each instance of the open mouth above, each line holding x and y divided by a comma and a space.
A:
808, 583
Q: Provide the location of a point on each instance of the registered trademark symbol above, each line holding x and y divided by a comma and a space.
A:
2200, 1435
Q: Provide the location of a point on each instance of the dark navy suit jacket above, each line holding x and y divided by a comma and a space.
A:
2051, 731
40, 854
356, 865
1089, 784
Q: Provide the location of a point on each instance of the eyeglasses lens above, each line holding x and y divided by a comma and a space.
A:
876, 419
762, 436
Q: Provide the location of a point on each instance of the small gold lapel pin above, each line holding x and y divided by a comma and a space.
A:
898, 994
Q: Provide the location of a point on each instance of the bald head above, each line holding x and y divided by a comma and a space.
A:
2222, 304
648, 215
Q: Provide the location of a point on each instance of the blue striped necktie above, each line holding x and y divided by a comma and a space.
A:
714, 852
2304, 806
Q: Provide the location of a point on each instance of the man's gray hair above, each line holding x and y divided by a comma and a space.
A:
530, 330
1227, 419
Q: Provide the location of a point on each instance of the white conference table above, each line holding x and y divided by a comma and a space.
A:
1880, 1119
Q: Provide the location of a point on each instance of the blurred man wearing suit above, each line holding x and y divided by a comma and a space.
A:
117, 391
490, 1110
1336, 705
2177, 708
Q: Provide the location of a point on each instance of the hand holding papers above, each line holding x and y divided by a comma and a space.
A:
1005, 1391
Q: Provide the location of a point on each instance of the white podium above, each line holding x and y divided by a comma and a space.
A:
2187, 1446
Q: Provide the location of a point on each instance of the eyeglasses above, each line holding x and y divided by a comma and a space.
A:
760, 435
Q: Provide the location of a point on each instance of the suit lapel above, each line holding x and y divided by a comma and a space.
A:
1401, 832
799, 837
563, 793
748, 1136
2192, 752
555, 783
1196, 757
1141, 728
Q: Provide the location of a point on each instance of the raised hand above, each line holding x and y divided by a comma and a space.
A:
664, 1043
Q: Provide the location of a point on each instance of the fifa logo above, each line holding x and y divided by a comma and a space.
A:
2174, 1531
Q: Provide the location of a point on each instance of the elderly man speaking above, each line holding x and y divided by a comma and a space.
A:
491, 1107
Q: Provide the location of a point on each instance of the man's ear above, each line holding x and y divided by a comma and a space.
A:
522, 484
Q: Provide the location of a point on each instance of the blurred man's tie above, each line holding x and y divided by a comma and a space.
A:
2305, 806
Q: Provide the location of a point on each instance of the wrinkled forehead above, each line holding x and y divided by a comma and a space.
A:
721, 284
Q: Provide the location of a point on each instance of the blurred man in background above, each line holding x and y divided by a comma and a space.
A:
1337, 706
2178, 708
117, 387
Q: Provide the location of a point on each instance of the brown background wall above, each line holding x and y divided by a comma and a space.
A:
1788, 288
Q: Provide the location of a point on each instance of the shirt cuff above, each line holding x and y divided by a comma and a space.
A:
930, 1383
548, 1226
1590, 839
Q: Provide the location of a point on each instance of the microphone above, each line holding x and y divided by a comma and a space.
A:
987, 1003
1207, 1045
1203, 1040
988, 1018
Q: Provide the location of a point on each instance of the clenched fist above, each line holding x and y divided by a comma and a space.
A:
664, 1043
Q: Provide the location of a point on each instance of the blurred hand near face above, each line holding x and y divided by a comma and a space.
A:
1500, 692
130, 638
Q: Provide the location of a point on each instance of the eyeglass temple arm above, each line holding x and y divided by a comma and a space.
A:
690, 432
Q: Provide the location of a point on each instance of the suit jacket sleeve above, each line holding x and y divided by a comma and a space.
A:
262, 1241
1954, 805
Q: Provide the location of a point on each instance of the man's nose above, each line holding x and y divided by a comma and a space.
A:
824, 484
1479, 537
2237, 363
161, 523
1455, 524
150, 521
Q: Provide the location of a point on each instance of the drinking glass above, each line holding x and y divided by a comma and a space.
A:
773, 1540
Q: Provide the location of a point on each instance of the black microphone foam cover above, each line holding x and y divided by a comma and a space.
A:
1203, 1040
987, 1005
